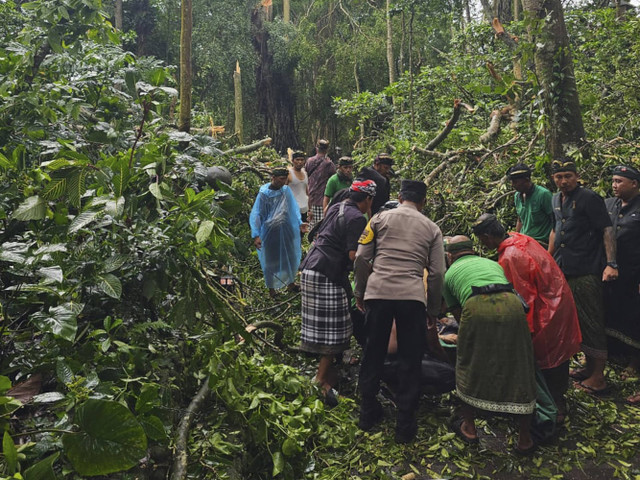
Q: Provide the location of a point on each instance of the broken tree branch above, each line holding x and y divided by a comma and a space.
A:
180, 456
449, 125
249, 148
496, 118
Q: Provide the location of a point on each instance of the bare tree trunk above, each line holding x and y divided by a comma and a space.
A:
118, 14
554, 67
184, 122
487, 10
504, 10
286, 11
274, 89
237, 90
411, 94
516, 10
390, 60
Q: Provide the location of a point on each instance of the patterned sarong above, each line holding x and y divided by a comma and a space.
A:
318, 215
326, 323
495, 366
622, 306
587, 293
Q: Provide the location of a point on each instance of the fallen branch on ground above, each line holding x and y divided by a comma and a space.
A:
180, 456
249, 148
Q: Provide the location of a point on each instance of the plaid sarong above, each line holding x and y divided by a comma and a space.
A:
587, 293
326, 323
318, 215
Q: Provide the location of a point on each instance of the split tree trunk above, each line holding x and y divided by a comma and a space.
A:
184, 122
390, 59
554, 67
237, 91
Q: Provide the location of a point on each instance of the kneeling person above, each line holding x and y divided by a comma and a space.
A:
494, 365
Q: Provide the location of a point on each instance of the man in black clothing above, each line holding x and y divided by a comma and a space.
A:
622, 296
583, 245
380, 173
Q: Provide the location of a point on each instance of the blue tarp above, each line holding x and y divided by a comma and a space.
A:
275, 218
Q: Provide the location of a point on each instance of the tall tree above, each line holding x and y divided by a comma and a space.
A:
554, 67
184, 124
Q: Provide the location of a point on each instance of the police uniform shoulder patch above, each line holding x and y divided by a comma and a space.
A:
367, 235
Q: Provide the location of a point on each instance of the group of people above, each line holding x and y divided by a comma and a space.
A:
566, 281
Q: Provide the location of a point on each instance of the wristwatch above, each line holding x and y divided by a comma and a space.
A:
612, 265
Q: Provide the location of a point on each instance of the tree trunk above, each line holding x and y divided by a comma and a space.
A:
237, 88
286, 11
118, 14
554, 67
390, 60
274, 89
504, 10
184, 122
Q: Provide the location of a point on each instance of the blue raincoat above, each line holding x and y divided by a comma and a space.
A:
275, 218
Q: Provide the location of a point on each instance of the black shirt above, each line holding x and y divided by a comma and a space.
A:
626, 226
383, 187
330, 252
579, 227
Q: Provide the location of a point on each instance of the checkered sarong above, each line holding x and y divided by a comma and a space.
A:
326, 323
318, 215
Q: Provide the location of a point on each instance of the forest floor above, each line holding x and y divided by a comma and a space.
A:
600, 438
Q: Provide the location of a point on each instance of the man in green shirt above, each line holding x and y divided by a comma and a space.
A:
533, 204
339, 180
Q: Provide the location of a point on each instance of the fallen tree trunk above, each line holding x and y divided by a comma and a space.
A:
180, 456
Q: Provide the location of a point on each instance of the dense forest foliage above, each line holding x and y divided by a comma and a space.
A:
127, 275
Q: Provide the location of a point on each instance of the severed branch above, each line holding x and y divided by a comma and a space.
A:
508, 39
449, 125
248, 148
180, 457
440, 168
494, 124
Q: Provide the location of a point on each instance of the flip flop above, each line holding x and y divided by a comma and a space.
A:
633, 399
590, 390
456, 427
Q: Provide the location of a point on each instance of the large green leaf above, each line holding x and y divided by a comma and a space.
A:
43, 470
10, 452
33, 208
76, 187
114, 262
61, 320
110, 439
55, 188
110, 284
51, 273
82, 220
204, 231
5, 163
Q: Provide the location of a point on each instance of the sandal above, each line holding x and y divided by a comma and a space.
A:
634, 399
456, 427
590, 390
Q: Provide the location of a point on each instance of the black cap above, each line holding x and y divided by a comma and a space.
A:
519, 170
563, 165
414, 186
345, 162
279, 172
626, 171
298, 154
384, 158
483, 222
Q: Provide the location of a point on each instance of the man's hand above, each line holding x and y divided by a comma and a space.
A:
360, 304
257, 242
304, 227
609, 274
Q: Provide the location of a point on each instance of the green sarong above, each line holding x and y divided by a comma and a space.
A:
587, 293
495, 366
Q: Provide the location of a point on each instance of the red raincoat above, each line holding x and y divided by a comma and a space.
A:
552, 318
